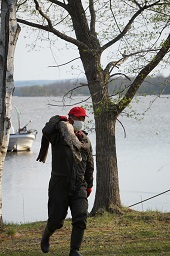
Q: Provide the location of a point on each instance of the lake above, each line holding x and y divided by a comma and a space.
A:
143, 158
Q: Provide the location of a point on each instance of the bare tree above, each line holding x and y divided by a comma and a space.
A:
9, 32
137, 29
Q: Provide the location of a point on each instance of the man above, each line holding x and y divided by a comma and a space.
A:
71, 177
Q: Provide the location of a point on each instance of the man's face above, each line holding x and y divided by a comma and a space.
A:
79, 118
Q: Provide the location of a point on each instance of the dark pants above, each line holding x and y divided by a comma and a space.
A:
60, 198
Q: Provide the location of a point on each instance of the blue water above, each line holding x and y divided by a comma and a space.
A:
143, 159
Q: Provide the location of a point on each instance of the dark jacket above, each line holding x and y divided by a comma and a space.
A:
63, 162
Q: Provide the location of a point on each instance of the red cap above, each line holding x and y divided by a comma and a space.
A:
77, 111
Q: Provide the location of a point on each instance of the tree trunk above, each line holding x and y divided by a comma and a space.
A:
105, 110
107, 181
9, 32
107, 186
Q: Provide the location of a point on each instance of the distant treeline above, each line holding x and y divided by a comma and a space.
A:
151, 86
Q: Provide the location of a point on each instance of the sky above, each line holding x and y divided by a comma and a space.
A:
34, 64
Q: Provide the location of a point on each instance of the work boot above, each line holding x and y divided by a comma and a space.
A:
45, 246
74, 253
76, 240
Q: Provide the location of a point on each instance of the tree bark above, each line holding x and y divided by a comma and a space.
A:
107, 183
8, 37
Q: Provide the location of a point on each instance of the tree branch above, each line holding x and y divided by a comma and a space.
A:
142, 75
63, 5
128, 26
69, 105
137, 4
73, 89
119, 92
114, 17
55, 32
113, 64
38, 8
122, 127
64, 63
20, 4
93, 17
116, 74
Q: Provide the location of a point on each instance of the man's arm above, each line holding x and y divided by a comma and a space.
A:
49, 135
50, 129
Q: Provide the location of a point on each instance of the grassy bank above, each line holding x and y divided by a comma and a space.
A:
133, 233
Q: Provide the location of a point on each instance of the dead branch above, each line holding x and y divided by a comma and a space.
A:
115, 74
64, 63
122, 127
114, 64
119, 92
69, 105
73, 89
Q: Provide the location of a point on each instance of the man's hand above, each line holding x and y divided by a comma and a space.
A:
89, 190
57, 118
63, 118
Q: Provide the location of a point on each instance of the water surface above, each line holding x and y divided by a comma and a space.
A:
143, 160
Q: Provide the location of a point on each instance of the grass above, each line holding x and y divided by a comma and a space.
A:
132, 233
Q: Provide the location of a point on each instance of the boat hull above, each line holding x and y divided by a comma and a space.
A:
21, 141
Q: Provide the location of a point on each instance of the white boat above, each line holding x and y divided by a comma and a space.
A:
21, 140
